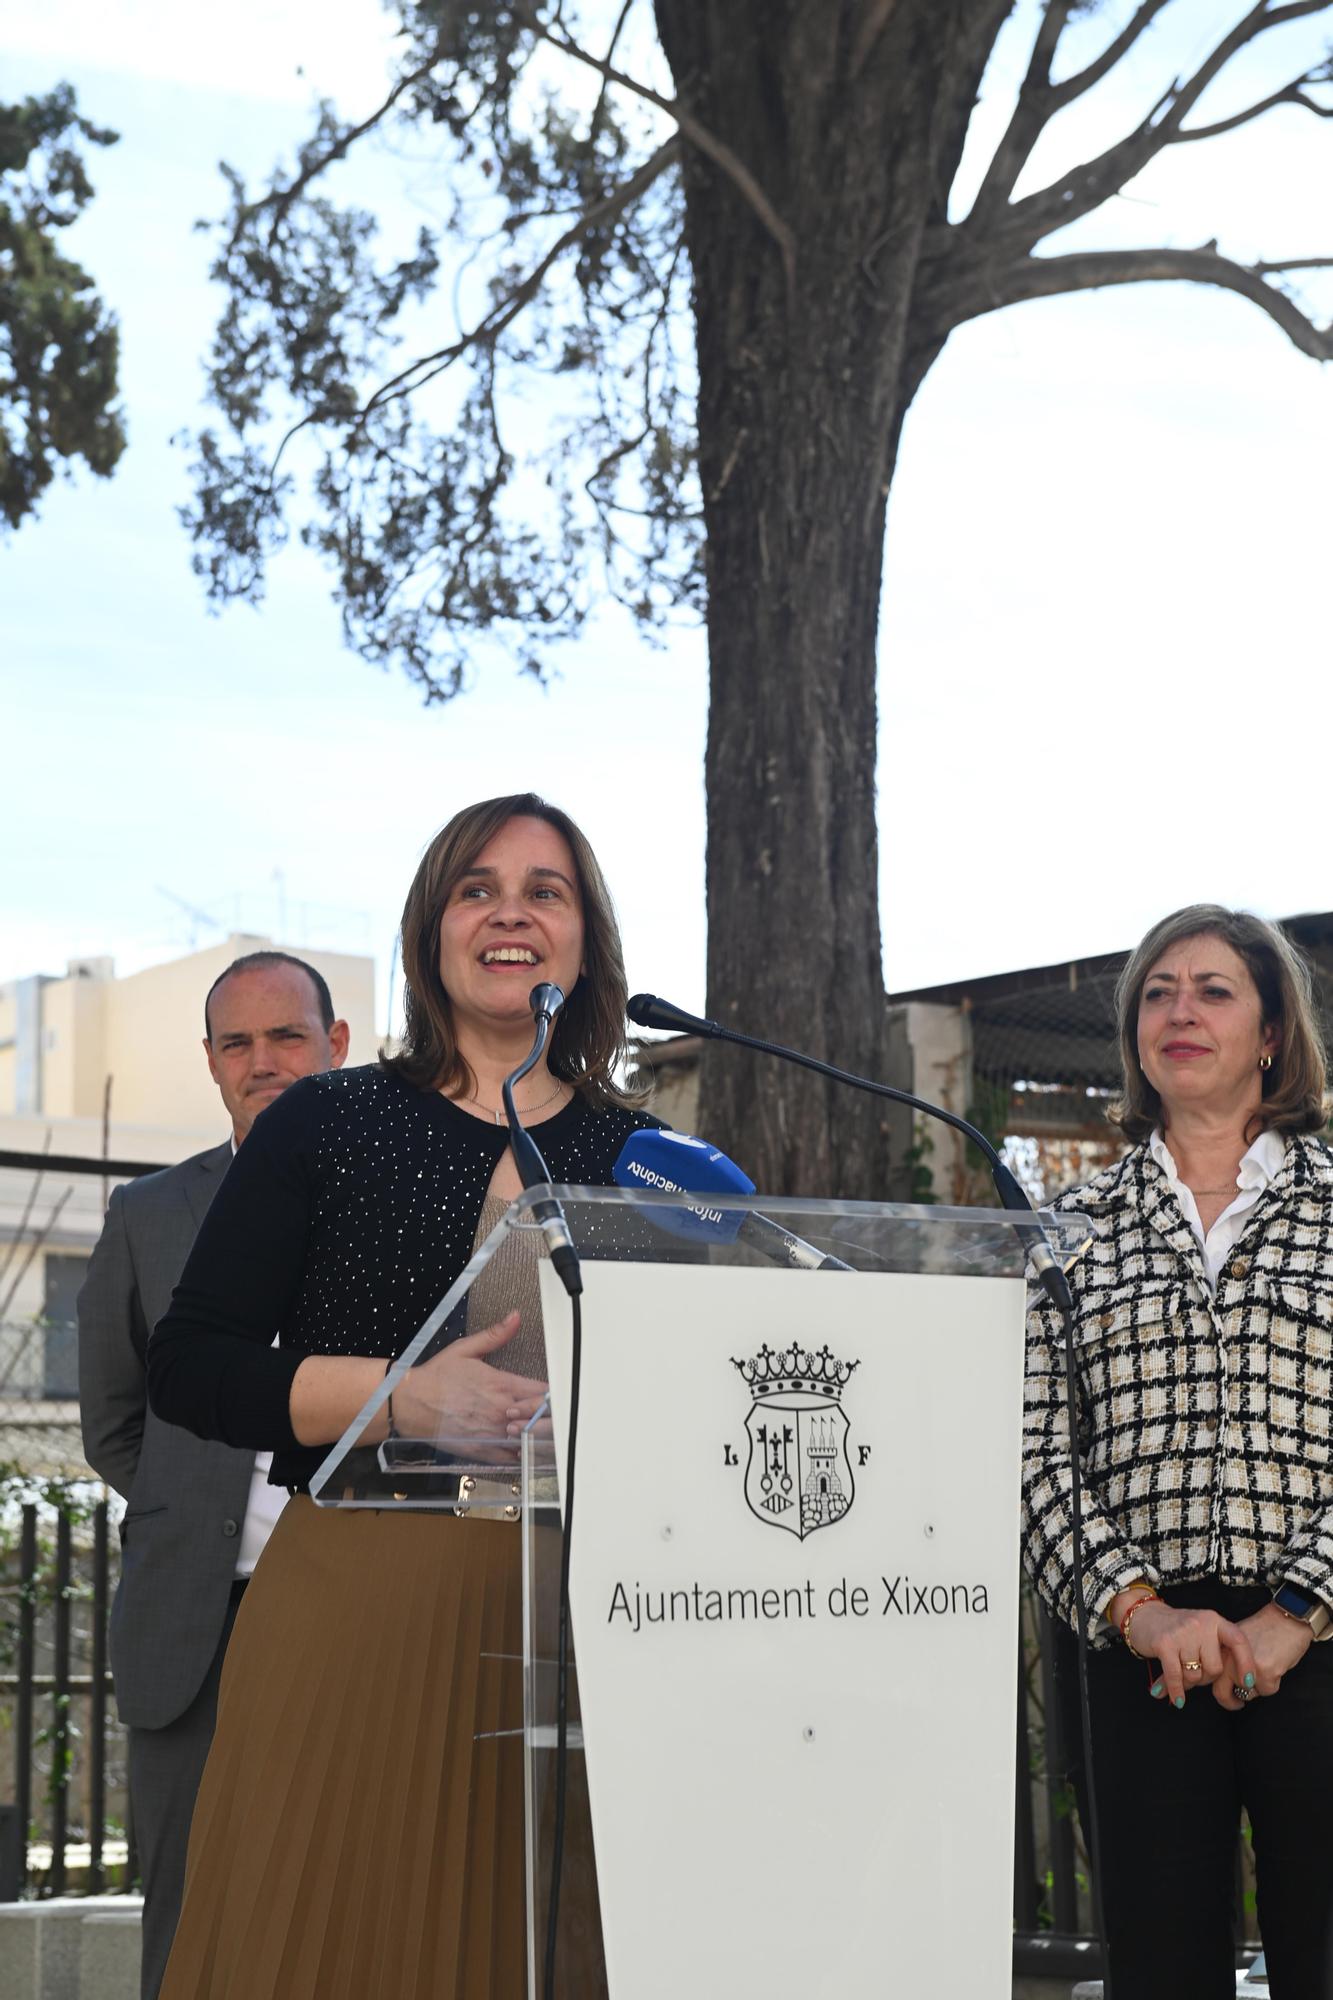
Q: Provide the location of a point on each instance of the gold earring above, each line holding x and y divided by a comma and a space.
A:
1265, 1062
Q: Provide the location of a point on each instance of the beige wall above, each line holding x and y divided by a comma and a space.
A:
73, 1032
155, 1027
146, 1032
940, 1038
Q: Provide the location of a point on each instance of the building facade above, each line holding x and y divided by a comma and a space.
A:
94, 1068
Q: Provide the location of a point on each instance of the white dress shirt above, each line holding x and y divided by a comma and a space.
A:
264, 1504
1257, 1168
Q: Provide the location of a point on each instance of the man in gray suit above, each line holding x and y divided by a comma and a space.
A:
197, 1513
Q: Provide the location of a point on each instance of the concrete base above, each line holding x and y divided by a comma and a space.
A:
71, 1948
1247, 1988
109, 1956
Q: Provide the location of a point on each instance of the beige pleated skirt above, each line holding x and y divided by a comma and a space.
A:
359, 1833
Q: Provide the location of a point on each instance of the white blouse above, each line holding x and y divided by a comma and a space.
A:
1258, 1167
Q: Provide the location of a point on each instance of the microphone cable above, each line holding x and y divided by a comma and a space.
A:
647, 1010
546, 1000
562, 1658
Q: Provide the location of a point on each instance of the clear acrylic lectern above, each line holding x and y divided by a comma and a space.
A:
793, 1587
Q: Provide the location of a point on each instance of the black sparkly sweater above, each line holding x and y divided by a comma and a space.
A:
342, 1221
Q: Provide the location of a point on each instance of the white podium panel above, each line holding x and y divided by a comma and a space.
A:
794, 1596
794, 1587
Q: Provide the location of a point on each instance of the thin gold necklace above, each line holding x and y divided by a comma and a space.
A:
524, 1110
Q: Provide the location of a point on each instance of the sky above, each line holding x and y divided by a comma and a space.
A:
1104, 644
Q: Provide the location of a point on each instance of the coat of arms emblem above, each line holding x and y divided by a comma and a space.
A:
799, 1474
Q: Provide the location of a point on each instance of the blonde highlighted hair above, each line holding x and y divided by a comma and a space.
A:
1294, 1088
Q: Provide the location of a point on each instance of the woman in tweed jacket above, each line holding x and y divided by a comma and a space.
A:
1204, 1344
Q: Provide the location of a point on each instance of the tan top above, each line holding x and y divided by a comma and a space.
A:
509, 1281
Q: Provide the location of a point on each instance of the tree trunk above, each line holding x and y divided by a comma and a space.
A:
806, 364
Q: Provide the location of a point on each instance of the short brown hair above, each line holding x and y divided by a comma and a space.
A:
1293, 1089
588, 1042
255, 961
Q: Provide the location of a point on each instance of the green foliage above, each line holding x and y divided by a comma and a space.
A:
59, 346
455, 495
58, 1736
51, 1497
921, 1186
989, 1112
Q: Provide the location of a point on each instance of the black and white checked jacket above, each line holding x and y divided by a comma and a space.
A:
1206, 1422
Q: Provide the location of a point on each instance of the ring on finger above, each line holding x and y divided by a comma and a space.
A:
1242, 1693
1192, 1667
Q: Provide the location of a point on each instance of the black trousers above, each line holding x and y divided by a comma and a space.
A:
1170, 1787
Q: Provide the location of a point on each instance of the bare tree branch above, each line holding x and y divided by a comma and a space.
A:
33, 1248
698, 134
1084, 79
1095, 181
1039, 99
1048, 277
1291, 93
1030, 114
33, 1192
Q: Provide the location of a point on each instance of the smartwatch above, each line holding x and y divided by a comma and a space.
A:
1307, 1610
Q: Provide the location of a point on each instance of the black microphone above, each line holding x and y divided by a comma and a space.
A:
545, 1000
646, 1010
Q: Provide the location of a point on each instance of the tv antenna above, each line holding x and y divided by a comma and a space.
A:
195, 915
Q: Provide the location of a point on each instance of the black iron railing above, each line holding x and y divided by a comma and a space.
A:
56, 1688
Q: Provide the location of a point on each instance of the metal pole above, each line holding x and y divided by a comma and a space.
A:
97, 1710
60, 1731
27, 1648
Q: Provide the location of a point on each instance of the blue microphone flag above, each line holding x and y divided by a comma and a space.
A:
675, 1163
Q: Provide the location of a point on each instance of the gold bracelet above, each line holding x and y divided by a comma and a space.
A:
1149, 1597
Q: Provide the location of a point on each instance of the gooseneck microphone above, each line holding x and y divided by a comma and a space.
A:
545, 1000
647, 1010
675, 1163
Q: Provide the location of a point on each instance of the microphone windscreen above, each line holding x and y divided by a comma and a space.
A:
647, 1010
675, 1163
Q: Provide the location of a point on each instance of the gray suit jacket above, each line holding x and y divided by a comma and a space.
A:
186, 1498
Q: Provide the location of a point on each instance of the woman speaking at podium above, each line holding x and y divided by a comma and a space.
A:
1204, 1342
359, 1830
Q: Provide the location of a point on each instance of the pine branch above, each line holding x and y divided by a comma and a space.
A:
691, 128
280, 201
503, 313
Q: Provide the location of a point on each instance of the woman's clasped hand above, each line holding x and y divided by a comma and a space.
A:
460, 1394
1197, 1649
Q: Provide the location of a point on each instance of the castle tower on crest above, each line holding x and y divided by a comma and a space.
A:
822, 1495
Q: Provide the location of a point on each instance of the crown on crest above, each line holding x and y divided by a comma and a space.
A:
781, 1370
